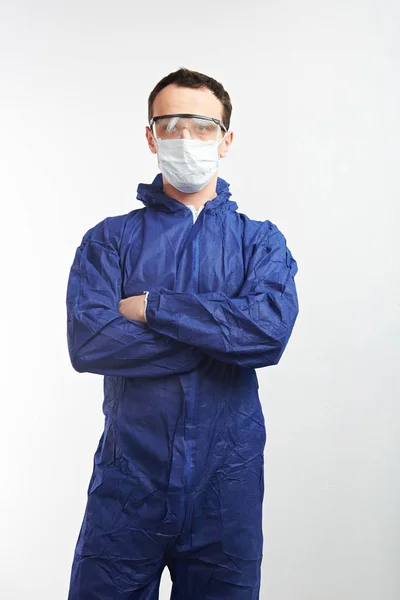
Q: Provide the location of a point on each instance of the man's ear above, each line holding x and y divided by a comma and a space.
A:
150, 140
225, 145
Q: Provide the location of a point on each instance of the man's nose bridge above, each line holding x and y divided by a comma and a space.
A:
187, 133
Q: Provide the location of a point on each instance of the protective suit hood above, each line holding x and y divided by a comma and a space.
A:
152, 194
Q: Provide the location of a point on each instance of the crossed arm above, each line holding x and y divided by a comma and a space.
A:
108, 335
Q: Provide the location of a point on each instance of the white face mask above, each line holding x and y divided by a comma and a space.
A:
188, 164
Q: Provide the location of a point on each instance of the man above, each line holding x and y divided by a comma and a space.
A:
176, 304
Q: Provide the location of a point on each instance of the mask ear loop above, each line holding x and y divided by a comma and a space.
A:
222, 139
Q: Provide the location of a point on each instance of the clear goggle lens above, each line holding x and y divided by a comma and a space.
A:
193, 127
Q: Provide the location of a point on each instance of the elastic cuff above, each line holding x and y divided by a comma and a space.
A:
145, 303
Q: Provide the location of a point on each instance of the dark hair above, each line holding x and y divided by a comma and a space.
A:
192, 79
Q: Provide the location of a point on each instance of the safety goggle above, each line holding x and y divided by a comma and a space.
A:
199, 127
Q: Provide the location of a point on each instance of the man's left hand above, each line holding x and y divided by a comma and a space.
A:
133, 308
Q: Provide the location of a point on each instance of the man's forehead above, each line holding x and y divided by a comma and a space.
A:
174, 99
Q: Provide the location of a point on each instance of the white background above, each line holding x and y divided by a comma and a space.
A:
316, 94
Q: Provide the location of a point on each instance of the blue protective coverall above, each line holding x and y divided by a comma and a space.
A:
178, 477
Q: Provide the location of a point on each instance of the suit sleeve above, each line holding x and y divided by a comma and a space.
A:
251, 329
100, 339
